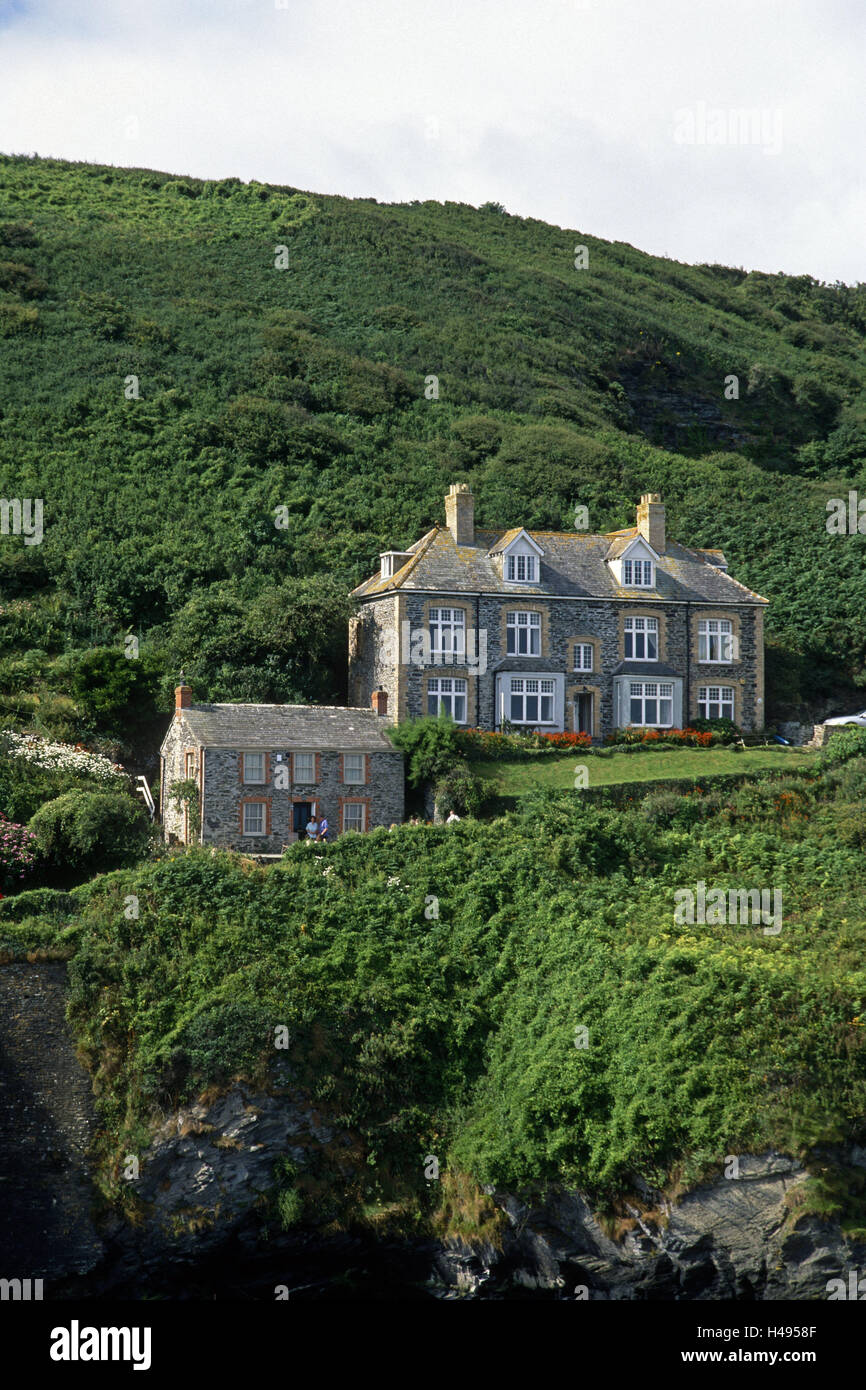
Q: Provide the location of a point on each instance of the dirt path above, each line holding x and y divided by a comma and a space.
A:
46, 1124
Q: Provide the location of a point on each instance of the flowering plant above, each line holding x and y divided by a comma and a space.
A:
17, 852
60, 757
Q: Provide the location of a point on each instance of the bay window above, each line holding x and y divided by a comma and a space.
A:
531, 700
651, 704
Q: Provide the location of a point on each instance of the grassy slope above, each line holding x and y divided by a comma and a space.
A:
557, 772
304, 388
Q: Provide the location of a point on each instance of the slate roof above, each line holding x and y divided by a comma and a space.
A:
322, 727
573, 566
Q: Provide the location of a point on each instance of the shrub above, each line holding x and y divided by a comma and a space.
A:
17, 853
90, 831
844, 744
37, 902
459, 790
431, 745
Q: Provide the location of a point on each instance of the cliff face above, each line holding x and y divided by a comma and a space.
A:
210, 1166
729, 1239
736, 1238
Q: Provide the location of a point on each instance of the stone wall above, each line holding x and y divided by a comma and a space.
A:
382, 793
596, 621
224, 793
805, 735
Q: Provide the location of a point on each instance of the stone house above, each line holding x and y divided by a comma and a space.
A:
557, 630
262, 771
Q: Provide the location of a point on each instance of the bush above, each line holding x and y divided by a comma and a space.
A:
844, 744
37, 902
459, 790
17, 853
90, 831
431, 745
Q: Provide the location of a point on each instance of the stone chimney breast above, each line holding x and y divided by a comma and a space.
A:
651, 521
460, 514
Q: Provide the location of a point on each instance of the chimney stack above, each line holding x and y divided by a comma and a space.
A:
380, 703
182, 695
460, 514
651, 521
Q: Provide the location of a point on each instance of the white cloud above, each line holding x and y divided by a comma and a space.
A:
561, 109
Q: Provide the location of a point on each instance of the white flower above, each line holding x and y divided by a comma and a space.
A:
60, 757
393, 881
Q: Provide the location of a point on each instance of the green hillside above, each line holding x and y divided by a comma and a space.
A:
304, 388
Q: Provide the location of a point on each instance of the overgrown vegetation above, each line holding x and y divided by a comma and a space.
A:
454, 1032
280, 437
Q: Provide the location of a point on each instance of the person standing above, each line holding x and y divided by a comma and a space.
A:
323, 829
312, 827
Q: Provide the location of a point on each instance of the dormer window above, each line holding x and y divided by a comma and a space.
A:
634, 564
391, 561
637, 574
521, 569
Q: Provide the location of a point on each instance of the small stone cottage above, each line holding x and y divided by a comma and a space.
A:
261, 772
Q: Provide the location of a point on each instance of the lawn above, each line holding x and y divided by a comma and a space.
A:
556, 772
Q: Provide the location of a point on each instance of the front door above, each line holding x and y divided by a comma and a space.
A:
583, 714
301, 812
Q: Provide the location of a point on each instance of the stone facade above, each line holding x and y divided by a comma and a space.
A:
565, 623
390, 644
288, 794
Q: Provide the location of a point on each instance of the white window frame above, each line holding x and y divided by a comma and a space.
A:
354, 806
584, 656
355, 781
522, 622
637, 574
254, 781
303, 781
710, 696
636, 627
527, 688
448, 691
656, 693
521, 568
248, 806
715, 635
447, 633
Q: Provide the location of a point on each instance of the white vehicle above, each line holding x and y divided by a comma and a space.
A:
859, 719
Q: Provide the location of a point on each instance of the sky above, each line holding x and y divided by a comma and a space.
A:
705, 131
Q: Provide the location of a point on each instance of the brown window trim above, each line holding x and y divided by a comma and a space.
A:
257, 801
364, 801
